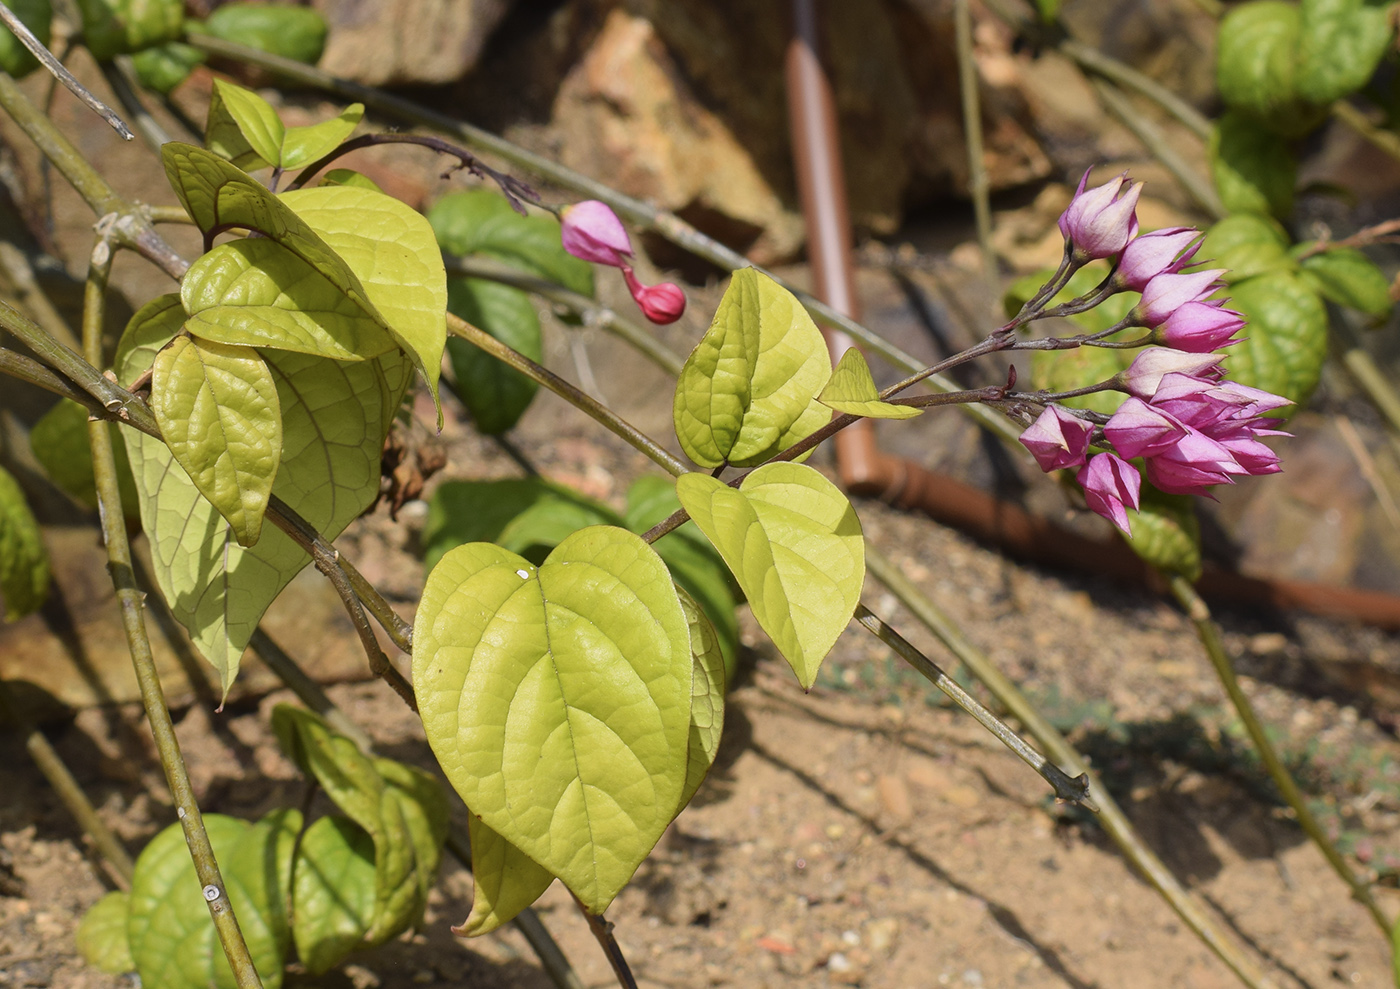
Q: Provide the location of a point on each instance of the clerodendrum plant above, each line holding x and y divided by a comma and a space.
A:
574, 700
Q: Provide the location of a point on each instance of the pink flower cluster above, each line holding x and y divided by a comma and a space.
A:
591, 230
1192, 428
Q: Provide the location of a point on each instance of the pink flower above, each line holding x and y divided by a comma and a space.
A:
1155, 253
1192, 465
1057, 439
1109, 485
1138, 429
662, 304
1169, 291
591, 230
1200, 327
1144, 375
1100, 222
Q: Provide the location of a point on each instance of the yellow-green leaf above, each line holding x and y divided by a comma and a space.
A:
101, 935
111, 27
852, 390
1166, 532
706, 696
794, 543
557, 699
507, 881
24, 563
393, 251
60, 443
218, 411
256, 293
332, 892
303, 145
334, 419
243, 127
749, 389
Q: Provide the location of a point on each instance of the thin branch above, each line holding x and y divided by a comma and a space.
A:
59, 72
1197, 186
589, 310
977, 182
1072, 789
615, 423
1209, 635
602, 930
1110, 816
33, 297
1387, 141
129, 598
399, 631
1377, 233
121, 76
113, 853
665, 223
1095, 61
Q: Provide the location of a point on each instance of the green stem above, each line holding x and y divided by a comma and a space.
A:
1110, 816
68, 790
1373, 381
589, 310
667, 224
1196, 186
1209, 635
608, 418
129, 597
1074, 790
978, 185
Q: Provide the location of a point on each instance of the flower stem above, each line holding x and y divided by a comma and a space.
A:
977, 182
1209, 635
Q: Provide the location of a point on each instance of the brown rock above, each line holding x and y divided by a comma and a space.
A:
406, 41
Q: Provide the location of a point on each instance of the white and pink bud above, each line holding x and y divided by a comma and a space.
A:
1101, 221
1057, 439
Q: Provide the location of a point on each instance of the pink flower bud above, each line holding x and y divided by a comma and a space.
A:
1144, 375
1168, 292
1101, 221
1200, 327
1057, 439
1153, 254
1140, 430
1109, 485
1192, 465
662, 304
591, 230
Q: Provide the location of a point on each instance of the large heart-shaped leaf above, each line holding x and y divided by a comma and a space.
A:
332, 892
172, 938
243, 127
112, 27
749, 389
217, 408
1257, 66
256, 293
334, 419
495, 394
1247, 244
1285, 343
1340, 44
393, 251
506, 881
852, 390
794, 543
479, 221
557, 699
298, 33
1254, 169
24, 563
101, 935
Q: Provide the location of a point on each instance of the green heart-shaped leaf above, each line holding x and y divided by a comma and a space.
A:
557, 699
303, 145
1340, 44
1257, 66
1253, 168
393, 251
707, 689
1285, 342
112, 27
332, 892
348, 176
1346, 276
479, 221
243, 127
256, 293
101, 935
1247, 244
298, 33
507, 881
852, 390
334, 419
172, 938
217, 408
24, 563
37, 15
749, 389
794, 543
164, 67
60, 443
1166, 532
495, 394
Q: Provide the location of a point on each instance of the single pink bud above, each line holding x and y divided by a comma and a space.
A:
1144, 375
1155, 253
1192, 466
1199, 327
1101, 221
1140, 430
1057, 439
1168, 292
591, 230
1110, 484
662, 304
